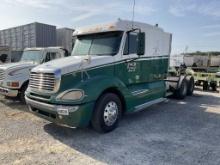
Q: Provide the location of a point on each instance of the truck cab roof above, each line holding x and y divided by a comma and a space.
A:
41, 48
119, 25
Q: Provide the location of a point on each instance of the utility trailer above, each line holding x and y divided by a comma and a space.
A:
115, 68
208, 77
205, 69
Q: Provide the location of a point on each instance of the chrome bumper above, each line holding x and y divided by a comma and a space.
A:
8, 92
59, 109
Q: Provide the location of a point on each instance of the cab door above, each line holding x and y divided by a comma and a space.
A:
128, 70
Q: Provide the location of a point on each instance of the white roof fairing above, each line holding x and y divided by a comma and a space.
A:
120, 25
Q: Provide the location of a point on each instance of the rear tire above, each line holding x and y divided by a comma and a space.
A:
190, 85
107, 113
205, 85
198, 83
213, 85
181, 92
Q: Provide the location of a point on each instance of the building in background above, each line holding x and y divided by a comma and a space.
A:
35, 35
65, 38
176, 60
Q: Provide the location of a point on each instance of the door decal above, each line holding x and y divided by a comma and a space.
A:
132, 66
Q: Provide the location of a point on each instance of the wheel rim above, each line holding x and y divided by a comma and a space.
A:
110, 113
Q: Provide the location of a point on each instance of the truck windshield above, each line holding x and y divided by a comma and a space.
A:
107, 43
35, 56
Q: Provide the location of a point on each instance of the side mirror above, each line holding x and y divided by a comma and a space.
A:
141, 44
3, 58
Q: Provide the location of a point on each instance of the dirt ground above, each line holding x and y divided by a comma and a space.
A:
176, 132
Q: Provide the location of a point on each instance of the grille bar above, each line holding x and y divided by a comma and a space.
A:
43, 81
2, 74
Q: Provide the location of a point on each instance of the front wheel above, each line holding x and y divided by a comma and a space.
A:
21, 95
107, 113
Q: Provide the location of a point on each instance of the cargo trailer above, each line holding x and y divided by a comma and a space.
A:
30, 35
65, 38
5, 54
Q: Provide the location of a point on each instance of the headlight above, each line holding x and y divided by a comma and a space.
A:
14, 84
71, 95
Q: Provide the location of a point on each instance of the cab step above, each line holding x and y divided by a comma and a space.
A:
148, 104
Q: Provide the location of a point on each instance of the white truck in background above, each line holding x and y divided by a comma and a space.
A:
14, 77
5, 54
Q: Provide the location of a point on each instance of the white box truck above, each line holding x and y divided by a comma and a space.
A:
14, 77
115, 68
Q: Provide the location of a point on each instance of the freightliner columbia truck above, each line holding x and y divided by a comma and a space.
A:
14, 77
114, 69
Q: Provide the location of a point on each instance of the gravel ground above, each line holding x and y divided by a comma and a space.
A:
175, 132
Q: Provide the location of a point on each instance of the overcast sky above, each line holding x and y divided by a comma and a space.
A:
194, 23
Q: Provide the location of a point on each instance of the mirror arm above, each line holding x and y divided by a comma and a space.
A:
132, 30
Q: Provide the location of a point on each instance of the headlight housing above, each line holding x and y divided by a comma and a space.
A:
14, 73
14, 84
71, 95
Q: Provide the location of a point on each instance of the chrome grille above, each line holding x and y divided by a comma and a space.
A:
43, 81
2, 74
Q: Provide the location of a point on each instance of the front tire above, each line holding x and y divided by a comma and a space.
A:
107, 113
21, 95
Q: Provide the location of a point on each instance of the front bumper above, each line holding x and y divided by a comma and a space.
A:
8, 92
73, 116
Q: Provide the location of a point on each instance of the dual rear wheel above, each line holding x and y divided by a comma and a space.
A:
185, 88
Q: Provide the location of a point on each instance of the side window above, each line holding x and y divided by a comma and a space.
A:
51, 56
131, 44
47, 59
58, 55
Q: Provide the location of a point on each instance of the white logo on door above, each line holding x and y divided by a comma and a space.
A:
132, 66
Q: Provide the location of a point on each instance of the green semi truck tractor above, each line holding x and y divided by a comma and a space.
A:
115, 68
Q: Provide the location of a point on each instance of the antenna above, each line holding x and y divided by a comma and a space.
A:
186, 49
133, 13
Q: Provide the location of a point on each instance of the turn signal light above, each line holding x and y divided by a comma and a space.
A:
13, 84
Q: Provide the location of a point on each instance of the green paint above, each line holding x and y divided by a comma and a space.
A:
126, 77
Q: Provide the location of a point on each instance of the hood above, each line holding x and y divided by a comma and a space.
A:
74, 63
17, 65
